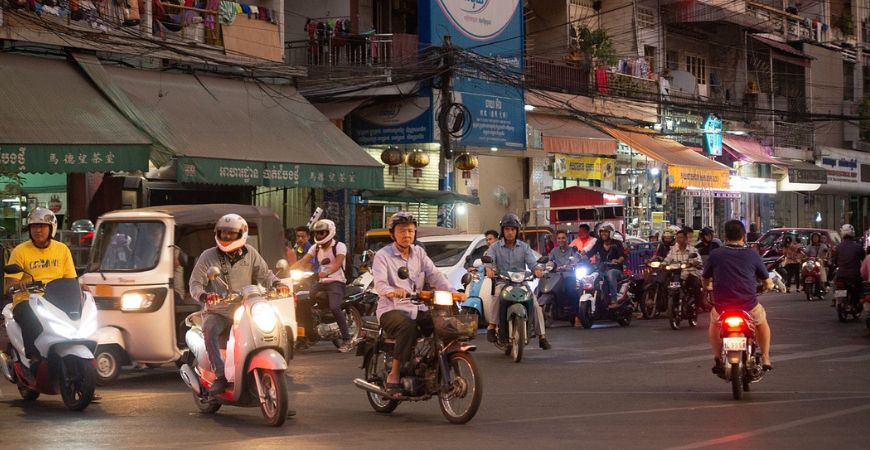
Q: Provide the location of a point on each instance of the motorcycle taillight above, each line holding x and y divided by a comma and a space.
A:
734, 324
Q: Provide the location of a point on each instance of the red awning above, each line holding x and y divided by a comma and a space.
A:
748, 149
564, 134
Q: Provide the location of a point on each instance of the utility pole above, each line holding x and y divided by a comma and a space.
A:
445, 163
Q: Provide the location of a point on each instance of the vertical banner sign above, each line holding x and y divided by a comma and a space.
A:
713, 135
493, 29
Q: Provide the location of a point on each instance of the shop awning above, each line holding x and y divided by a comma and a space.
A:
564, 134
239, 131
411, 195
337, 110
784, 52
747, 149
686, 168
52, 120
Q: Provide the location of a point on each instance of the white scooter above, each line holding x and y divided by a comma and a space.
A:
68, 317
254, 363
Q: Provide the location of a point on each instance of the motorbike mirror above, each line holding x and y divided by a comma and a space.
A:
543, 259
12, 269
213, 272
693, 255
403, 273
486, 259
281, 265
477, 262
466, 278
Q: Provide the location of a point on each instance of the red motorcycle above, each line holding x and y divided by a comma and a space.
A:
811, 275
741, 354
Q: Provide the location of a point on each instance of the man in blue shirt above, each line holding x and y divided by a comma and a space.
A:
733, 271
513, 255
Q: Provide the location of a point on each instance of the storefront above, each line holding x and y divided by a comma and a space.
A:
797, 203
847, 191
753, 178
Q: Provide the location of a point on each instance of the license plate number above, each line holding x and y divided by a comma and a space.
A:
735, 344
674, 284
840, 293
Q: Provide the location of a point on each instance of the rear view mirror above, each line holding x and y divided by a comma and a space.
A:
486, 259
543, 259
403, 273
466, 278
281, 265
477, 262
12, 269
213, 272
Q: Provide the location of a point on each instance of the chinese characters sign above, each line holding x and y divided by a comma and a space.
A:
73, 158
255, 173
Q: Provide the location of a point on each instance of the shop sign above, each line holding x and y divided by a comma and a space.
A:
258, 173
713, 135
682, 126
753, 185
402, 121
698, 178
584, 167
73, 158
808, 176
840, 170
711, 193
657, 217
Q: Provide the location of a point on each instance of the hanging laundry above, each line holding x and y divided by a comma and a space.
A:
227, 12
601, 79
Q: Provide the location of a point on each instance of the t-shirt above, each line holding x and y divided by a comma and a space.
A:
320, 255
45, 264
735, 271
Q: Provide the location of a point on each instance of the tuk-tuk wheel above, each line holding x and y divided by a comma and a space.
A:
108, 359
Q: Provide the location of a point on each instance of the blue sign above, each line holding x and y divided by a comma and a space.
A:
713, 135
494, 30
400, 121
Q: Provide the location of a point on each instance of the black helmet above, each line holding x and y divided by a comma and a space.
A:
706, 230
510, 220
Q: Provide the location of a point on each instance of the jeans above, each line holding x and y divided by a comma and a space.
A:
502, 313
611, 284
793, 273
30, 327
335, 292
405, 330
213, 326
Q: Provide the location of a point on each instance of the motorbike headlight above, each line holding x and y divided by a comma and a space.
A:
655, 264
517, 277
297, 275
443, 298
135, 301
580, 272
264, 317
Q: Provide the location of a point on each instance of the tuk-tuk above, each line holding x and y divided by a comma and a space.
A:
139, 270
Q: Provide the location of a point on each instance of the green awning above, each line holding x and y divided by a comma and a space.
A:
411, 195
255, 173
52, 120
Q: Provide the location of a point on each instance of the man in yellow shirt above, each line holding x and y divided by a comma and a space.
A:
46, 260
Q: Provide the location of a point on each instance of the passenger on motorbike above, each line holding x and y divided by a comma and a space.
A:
610, 255
666, 243
46, 260
848, 257
491, 236
398, 316
512, 255
561, 257
240, 265
707, 243
681, 252
819, 250
330, 255
584, 241
732, 273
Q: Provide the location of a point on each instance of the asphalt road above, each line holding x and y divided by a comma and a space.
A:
644, 386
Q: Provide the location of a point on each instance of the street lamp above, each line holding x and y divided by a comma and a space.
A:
654, 171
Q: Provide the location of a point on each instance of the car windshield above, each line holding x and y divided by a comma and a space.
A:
127, 246
445, 253
769, 238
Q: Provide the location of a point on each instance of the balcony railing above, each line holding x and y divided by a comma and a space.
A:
374, 50
794, 135
556, 76
762, 15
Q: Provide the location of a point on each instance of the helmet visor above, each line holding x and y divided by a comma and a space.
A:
228, 235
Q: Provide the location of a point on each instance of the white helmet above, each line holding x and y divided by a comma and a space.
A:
320, 226
233, 223
43, 216
847, 230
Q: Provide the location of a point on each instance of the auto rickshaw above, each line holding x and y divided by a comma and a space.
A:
139, 270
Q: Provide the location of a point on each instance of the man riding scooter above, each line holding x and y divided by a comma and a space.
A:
561, 256
240, 265
848, 257
584, 240
681, 252
610, 255
512, 255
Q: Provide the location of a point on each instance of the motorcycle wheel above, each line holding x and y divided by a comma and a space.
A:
736, 382
273, 398
460, 403
354, 325
674, 312
108, 359
842, 315
204, 406
518, 338
376, 373
27, 394
586, 315
77, 383
548, 315
809, 289
648, 305
746, 383
624, 321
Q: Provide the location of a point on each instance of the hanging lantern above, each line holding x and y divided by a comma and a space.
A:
418, 159
393, 157
466, 162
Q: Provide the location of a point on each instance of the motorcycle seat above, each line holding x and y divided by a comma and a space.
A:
352, 290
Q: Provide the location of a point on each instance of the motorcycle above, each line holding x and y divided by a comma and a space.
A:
255, 360
593, 303
442, 364
519, 297
681, 302
846, 300
324, 326
478, 292
68, 317
774, 269
654, 291
553, 296
811, 274
741, 354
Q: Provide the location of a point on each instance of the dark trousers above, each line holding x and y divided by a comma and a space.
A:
693, 290
792, 272
335, 293
30, 327
399, 326
213, 326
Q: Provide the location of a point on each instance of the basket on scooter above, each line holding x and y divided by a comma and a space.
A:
454, 326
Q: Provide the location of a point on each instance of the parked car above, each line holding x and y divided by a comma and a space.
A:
770, 243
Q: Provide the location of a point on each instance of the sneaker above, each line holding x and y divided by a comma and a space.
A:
544, 343
219, 386
719, 368
490, 335
345, 347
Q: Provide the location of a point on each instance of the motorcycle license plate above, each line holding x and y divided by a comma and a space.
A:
674, 284
734, 344
809, 280
839, 293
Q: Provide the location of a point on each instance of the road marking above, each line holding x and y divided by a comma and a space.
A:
771, 429
820, 352
850, 359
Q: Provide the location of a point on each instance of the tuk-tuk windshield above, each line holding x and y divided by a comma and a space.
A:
127, 246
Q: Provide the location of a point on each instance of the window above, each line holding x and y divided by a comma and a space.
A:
697, 66
445, 253
646, 17
848, 81
673, 62
127, 246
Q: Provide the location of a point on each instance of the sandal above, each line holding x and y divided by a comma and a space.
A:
395, 389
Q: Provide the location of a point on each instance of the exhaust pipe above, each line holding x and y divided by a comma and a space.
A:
6, 366
190, 378
366, 386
